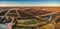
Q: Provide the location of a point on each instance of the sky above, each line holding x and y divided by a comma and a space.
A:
29, 2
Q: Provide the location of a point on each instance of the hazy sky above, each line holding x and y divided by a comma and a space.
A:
29, 2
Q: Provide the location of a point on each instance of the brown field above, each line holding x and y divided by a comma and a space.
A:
38, 8
35, 11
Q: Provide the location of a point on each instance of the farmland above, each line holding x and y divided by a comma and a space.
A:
33, 17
